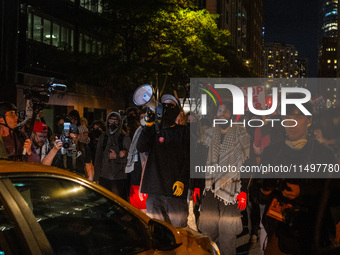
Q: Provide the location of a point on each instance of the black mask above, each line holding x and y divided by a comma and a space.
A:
113, 128
170, 113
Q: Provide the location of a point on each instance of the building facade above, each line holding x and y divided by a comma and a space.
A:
43, 39
243, 18
281, 61
328, 51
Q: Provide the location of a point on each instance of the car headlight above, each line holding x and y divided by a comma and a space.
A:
216, 250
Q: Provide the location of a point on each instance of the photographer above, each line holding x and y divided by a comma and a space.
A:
40, 144
72, 155
294, 233
14, 141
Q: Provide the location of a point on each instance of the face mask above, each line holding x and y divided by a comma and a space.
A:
113, 128
170, 113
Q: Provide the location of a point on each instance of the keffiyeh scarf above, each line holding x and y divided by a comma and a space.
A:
232, 151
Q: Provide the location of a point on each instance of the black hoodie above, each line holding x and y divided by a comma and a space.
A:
111, 169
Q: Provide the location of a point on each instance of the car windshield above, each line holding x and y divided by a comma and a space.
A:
79, 220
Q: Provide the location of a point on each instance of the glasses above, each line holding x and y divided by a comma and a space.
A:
11, 114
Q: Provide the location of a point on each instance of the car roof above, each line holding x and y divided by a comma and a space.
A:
21, 168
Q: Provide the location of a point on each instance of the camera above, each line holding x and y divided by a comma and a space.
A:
65, 136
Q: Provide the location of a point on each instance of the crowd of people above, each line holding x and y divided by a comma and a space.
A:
148, 164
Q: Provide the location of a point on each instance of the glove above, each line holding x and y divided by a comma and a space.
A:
197, 195
242, 201
178, 188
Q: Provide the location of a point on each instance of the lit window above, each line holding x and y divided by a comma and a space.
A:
328, 61
335, 61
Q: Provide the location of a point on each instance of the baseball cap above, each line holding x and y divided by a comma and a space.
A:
40, 127
169, 97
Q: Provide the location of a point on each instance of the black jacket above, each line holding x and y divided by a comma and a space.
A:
168, 160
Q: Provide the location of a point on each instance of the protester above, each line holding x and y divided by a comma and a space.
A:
295, 232
220, 216
167, 171
111, 154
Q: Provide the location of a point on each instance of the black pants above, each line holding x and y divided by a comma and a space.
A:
118, 187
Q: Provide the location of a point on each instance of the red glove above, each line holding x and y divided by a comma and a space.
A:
242, 201
197, 193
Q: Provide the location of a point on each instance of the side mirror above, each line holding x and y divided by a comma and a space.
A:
162, 237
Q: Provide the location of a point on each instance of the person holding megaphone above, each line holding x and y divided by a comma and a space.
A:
167, 172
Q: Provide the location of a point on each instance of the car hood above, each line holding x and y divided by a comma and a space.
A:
194, 242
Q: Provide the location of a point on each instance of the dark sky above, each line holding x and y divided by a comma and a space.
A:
294, 22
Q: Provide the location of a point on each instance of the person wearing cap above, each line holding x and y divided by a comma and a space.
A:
296, 233
39, 139
16, 143
72, 156
40, 144
166, 175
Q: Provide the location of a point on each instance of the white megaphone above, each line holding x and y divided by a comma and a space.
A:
143, 95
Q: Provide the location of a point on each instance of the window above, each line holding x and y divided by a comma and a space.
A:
37, 28
29, 26
55, 35
9, 235
47, 33
78, 220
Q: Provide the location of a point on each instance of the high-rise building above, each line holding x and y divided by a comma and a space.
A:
254, 52
328, 53
281, 61
302, 66
243, 18
329, 14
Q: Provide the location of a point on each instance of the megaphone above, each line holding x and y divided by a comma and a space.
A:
144, 95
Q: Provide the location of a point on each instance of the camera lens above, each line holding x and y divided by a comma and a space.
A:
66, 143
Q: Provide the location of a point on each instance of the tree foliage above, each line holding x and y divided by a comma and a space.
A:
163, 43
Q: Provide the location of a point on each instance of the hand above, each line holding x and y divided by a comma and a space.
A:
178, 188
141, 195
27, 146
242, 201
58, 144
293, 193
122, 153
197, 195
112, 154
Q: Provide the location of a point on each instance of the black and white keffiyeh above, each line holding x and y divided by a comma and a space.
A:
231, 152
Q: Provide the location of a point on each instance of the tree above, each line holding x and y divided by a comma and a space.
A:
163, 43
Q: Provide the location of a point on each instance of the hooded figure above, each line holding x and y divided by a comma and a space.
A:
111, 153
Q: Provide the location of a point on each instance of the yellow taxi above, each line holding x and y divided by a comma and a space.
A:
46, 210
